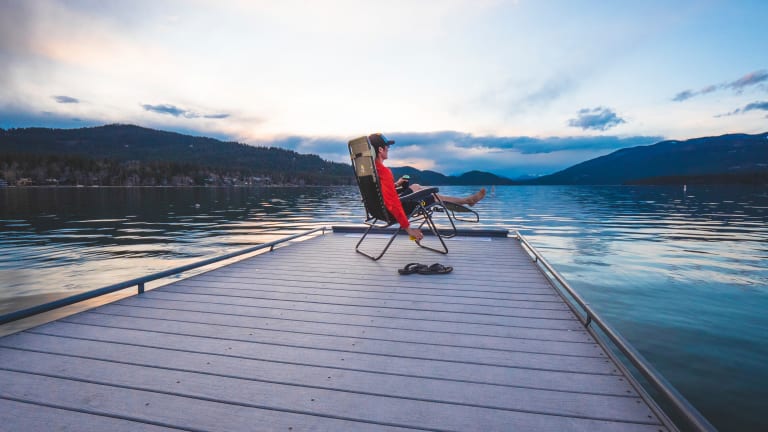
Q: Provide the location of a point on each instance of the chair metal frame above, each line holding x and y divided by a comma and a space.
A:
454, 208
377, 216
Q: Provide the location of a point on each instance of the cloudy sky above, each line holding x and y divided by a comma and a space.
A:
512, 87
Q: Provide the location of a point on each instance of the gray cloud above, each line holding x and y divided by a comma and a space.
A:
519, 144
687, 94
16, 117
747, 80
760, 105
455, 152
65, 99
180, 112
756, 106
684, 95
599, 118
166, 109
330, 148
435, 142
738, 86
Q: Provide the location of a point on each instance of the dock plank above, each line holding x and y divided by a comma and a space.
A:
372, 308
531, 340
318, 340
28, 417
561, 328
526, 309
402, 290
319, 399
247, 289
350, 350
413, 372
313, 336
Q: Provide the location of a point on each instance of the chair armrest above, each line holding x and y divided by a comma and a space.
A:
419, 194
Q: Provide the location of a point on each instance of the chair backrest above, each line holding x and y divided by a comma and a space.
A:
363, 162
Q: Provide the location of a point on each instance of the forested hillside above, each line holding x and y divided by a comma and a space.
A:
132, 155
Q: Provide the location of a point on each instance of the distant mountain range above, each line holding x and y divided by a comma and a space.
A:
734, 158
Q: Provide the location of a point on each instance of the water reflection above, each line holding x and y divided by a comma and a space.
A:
683, 276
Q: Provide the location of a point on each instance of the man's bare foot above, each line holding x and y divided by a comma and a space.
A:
476, 197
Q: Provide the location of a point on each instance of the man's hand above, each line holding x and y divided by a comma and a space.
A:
415, 233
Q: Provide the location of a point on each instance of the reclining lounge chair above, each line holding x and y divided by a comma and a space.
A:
419, 206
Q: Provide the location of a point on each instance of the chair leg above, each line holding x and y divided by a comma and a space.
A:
427, 219
436, 233
365, 234
452, 231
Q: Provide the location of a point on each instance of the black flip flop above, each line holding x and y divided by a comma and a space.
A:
435, 268
412, 268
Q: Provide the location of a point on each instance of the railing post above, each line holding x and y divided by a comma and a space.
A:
141, 287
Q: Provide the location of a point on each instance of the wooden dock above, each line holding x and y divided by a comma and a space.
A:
313, 336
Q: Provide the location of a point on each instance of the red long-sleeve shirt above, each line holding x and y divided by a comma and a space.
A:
388, 192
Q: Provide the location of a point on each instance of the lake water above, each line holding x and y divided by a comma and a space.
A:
683, 276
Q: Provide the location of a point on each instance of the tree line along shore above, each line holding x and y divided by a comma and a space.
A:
52, 170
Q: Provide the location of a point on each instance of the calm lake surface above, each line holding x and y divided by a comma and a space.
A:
682, 275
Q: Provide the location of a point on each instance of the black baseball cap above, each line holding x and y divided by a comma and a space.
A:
378, 140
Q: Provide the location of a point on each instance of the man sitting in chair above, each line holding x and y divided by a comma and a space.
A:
391, 199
